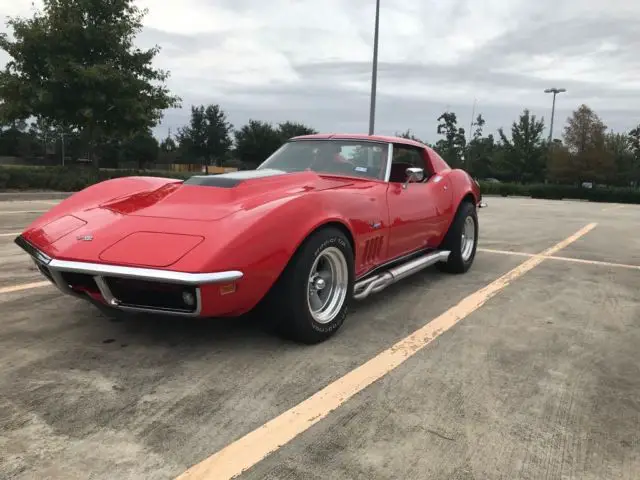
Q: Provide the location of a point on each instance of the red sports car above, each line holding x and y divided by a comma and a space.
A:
324, 220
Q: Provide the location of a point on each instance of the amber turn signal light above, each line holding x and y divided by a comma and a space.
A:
227, 289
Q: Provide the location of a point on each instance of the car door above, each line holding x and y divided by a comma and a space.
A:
416, 209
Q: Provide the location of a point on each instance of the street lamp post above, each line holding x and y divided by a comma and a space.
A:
374, 72
555, 91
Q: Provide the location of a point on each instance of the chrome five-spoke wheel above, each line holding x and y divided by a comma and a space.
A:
468, 238
327, 285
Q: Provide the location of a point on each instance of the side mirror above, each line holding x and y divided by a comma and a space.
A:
413, 175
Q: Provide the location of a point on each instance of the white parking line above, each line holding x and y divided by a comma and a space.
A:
564, 259
614, 207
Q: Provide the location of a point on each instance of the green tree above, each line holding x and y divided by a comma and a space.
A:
141, 148
18, 141
634, 140
584, 131
620, 147
561, 165
74, 64
168, 144
452, 147
207, 137
289, 130
522, 158
46, 135
480, 151
584, 136
256, 141
410, 136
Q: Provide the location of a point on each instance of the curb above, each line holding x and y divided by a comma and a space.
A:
18, 196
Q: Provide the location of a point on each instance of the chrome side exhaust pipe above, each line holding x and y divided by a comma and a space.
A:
379, 282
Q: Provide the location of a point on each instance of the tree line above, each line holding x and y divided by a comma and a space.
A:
77, 87
587, 151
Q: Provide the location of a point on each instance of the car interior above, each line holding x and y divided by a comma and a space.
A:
406, 157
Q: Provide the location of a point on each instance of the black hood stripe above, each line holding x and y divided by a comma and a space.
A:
233, 179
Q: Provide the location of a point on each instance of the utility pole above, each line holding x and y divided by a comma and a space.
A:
555, 91
374, 72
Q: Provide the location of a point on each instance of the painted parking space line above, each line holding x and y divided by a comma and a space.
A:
564, 259
614, 207
247, 451
24, 286
13, 234
506, 252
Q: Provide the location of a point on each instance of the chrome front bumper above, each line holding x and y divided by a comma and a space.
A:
54, 270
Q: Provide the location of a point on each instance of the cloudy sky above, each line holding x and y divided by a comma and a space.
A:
310, 60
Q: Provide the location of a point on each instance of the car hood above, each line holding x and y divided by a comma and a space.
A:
126, 230
213, 197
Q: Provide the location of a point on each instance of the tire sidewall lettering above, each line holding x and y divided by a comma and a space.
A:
342, 245
330, 242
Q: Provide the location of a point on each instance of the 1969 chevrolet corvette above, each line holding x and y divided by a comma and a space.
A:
326, 219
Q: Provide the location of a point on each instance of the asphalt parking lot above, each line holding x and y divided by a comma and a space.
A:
528, 366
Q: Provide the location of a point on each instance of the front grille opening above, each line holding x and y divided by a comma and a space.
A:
79, 281
153, 295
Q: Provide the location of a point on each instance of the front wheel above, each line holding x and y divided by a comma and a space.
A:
312, 296
461, 240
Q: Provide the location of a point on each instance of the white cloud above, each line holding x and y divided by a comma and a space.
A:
194, 17
269, 59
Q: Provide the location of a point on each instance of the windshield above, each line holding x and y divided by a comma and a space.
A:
338, 157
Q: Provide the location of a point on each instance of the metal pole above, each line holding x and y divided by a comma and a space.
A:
553, 112
374, 72
555, 91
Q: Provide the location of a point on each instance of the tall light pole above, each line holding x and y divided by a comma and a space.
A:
555, 91
374, 72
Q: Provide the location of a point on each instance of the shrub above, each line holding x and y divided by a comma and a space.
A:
68, 179
559, 192
74, 178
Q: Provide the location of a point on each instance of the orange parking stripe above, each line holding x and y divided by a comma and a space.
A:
24, 286
244, 453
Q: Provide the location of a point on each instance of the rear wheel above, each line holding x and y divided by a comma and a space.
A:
311, 299
461, 240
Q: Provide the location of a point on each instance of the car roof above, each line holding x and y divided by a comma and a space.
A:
360, 136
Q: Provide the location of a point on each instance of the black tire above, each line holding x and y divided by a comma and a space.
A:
287, 303
457, 263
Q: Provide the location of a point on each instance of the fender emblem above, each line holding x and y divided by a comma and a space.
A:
84, 238
375, 225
